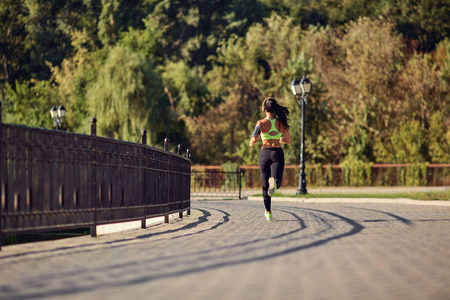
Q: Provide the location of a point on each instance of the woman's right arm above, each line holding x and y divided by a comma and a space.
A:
286, 138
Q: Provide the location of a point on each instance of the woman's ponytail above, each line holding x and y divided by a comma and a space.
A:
281, 112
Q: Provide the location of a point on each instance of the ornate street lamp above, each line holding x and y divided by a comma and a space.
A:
57, 115
301, 89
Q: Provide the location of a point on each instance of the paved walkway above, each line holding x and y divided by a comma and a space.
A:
227, 250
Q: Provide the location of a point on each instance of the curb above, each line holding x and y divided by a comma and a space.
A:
357, 200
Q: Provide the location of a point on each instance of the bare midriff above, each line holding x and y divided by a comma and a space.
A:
271, 144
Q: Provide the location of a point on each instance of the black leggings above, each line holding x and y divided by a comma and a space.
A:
271, 164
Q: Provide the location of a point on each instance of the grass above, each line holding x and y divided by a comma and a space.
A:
427, 196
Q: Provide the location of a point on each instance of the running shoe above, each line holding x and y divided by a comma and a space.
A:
272, 187
268, 216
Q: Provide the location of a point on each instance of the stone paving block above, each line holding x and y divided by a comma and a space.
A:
227, 250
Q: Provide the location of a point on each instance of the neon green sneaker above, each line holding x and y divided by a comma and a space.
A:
269, 215
272, 187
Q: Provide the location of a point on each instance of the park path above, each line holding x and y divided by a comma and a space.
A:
227, 250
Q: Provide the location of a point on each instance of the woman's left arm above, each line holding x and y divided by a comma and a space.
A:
256, 134
286, 138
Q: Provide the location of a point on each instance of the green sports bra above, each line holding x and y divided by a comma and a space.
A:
273, 133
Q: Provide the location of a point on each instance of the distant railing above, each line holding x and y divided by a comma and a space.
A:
376, 175
54, 180
216, 183
422, 174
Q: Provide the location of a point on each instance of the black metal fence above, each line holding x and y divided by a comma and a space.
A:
215, 183
54, 180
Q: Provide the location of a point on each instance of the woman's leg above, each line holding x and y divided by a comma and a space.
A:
277, 166
264, 168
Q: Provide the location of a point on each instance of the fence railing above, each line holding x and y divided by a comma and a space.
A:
375, 175
216, 183
421, 174
54, 180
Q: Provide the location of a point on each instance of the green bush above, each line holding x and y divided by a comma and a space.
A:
356, 172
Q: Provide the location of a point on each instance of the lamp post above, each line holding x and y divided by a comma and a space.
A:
301, 89
58, 115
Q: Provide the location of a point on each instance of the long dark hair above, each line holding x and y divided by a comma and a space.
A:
280, 112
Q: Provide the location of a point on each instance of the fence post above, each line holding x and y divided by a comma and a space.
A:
94, 126
144, 142
180, 213
188, 155
166, 148
94, 181
1, 177
166, 144
144, 137
240, 182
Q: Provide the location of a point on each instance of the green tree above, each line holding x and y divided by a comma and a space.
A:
420, 90
424, 23
245, 71
442, 57
409, 142
127, 97
197, 72
29, 104
12, 36
439, 137
74, 77
149, 40
371, 53
117, 16
47, 37
194, 29
108, 24
186, 89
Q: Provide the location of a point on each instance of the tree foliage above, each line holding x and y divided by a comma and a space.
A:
28, 102
197, 72
125, 97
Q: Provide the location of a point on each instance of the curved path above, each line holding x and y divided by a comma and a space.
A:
227, 250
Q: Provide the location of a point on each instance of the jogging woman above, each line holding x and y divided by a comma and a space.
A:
274, 131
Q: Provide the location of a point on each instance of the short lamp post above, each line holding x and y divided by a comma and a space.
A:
58, 115
301, 89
